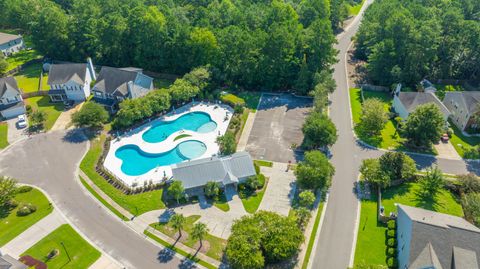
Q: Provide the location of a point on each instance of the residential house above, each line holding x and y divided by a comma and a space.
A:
11, 101
463, 106
117, 84
9, 44
405, 103
70, 81
232, 169
427, 86
428, 239
8, 262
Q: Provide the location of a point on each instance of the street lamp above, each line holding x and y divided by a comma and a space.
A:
63, 245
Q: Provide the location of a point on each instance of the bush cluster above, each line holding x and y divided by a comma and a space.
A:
24, 189
26, 209
391, 244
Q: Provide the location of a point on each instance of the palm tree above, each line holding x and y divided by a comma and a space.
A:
177, 222
199, 231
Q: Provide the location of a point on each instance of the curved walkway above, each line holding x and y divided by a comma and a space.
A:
335, 246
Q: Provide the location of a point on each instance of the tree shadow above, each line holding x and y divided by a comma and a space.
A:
400, 190
75, 136
165, 255
426, 200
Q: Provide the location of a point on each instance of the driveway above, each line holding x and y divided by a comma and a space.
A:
14, 133
447, 151
280, 189
277, 126
63, 121
50, 161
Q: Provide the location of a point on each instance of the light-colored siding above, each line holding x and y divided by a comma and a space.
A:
400, 108
404, 233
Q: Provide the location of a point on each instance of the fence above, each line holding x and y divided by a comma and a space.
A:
370, 87
20, 67
33, 94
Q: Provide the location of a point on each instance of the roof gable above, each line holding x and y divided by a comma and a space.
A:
411, 100
470, 100
63, 73
5, 38
8, 84
115, 80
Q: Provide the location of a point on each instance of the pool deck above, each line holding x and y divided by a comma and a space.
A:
217, 113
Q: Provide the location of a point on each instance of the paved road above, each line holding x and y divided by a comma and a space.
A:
335, 242
50, 162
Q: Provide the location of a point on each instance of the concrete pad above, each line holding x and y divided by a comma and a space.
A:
280, 189
104, 262
15, 133
63, 121
446, 151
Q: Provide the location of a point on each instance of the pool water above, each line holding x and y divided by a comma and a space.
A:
136, 162
193, 121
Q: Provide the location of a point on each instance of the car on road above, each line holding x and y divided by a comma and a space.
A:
22, 121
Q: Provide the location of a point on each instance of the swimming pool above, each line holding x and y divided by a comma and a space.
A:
194, 121
136, 162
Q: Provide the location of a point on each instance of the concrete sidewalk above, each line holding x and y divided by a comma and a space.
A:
33, 234
104, 262
280, 189
242, 143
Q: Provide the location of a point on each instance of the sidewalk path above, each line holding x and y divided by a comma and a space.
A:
242, 143
33, 234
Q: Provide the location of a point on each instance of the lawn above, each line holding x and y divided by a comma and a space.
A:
371, 247
263, 163
217, 245
221, 203
11, 225
463, 143
355, 9
251, 99
22, 57
3, 135
136, 204
251, 201
29, 78
43, 103
73, 250
160, 83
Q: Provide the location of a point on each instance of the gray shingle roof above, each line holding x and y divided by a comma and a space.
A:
443, 232
5, 38
426, 259
115, 80
464, 258
8, 262
471, 99
411, 100
62, 73
225, 170
8, 83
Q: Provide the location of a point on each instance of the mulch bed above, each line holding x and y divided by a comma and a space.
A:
32, 262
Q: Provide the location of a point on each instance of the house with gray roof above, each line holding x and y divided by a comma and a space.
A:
428, 239
405, 103
232, 169
70, 81
463, 106
11, 101
8, 262
117, 84
10, 44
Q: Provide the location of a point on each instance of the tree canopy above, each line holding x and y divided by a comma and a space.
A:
91, 115
374, 117
315, 172
424, 125
319, 131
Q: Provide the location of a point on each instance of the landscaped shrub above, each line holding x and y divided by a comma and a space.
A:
391, 242
391, 224
238, 109
390, 233
392, 262
12, 203
232, 100
24, 189
26, 209
391, 252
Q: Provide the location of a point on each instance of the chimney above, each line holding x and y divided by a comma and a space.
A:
130, 88
91, 69
398, 89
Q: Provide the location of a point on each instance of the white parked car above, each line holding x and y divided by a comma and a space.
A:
22, 121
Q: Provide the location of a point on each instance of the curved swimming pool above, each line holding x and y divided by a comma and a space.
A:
136, 162
194, 121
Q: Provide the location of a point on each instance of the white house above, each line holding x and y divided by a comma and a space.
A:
428, 239
117, 84
9, 44
11, 102
70, 81
463, 106
405, 103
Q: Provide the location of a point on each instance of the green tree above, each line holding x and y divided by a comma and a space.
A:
199, 231
227, 143
306, 199
432, 182
372, 172
302, 215
182, 90
176, 190
7, 189
424, 125
3, 65
253, 182
38, 118
315, 172
199, 77
212, 189
319, 131
92, 115
203, 46
471, 205
178, 222
469, 183
373, 117
397, 165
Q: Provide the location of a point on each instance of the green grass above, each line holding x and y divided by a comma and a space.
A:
312, 236
42, 103
29, 78
371, 247
181, 136
252, 201
105, 203
3, 135
355, 9
160, 83
217, 245
11, 225
232, 99
251, 99
179, 251
136, 204
263, 163
22, 57
463, 143
221, 203
81, 253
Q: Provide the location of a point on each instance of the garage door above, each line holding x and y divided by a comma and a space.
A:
13, 112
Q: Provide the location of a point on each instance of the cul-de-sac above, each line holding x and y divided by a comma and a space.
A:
292, 134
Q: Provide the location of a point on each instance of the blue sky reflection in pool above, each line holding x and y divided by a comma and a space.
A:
136, 162
193, 121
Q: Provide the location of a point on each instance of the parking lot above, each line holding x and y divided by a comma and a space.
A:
278, 127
